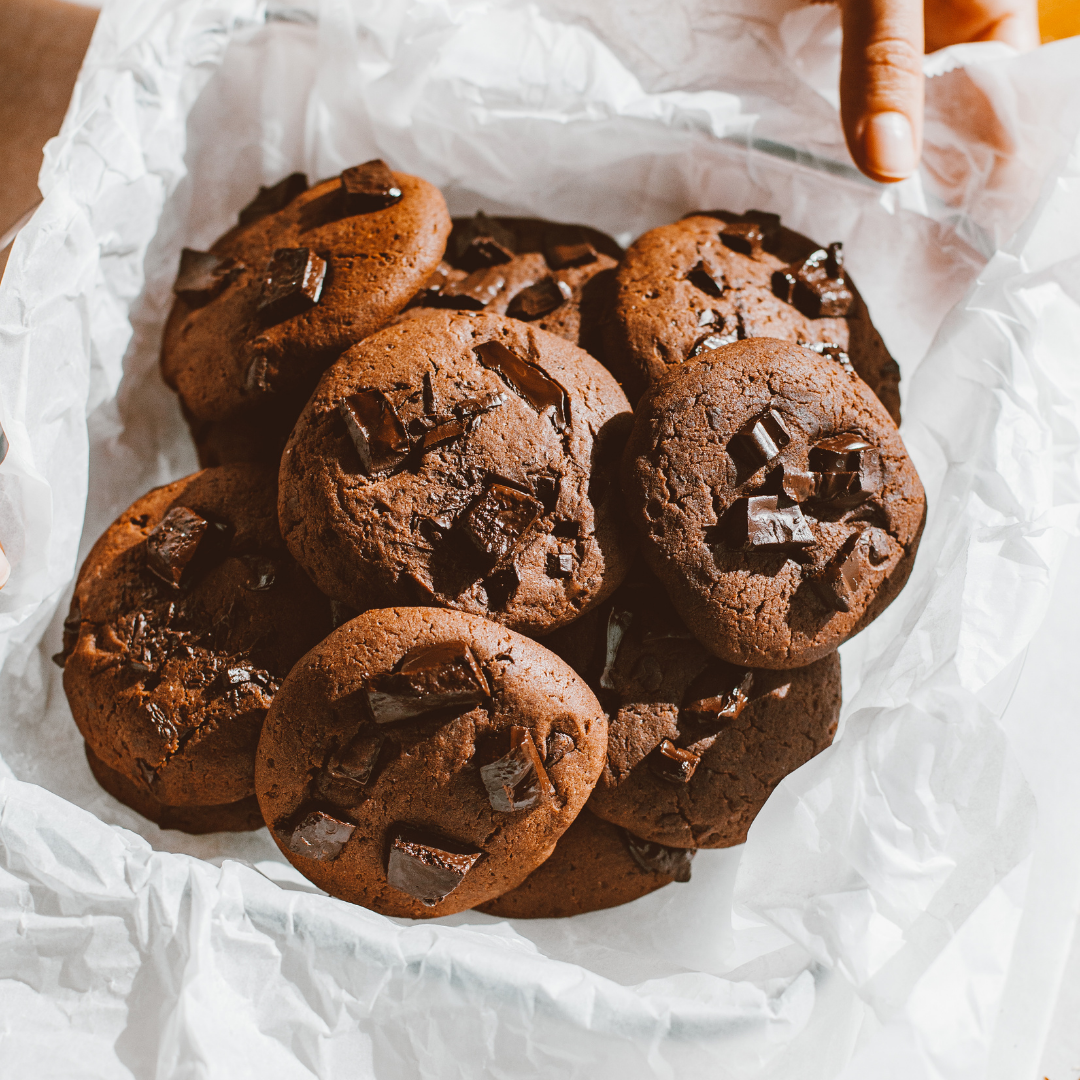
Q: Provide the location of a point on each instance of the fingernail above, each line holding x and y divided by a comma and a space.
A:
5, 569
889, 145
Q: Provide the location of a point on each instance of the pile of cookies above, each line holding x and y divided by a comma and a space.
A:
457, 623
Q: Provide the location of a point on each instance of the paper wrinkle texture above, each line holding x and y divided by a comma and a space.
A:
868, 922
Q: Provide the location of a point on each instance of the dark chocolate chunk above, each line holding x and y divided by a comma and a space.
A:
293, 282
319, 836
701, 279
762, 438
497, 522
500, 586
480, 242
527, 379
356, 763
849, 468
257, 377
838, 584
518, 780
659, 858
369, 187
147, 771
377, 432
202, 273
272, 199
671, 762
262, 573
618, 622
430, 677
427, 394
473, 407
539, 299
474, 292
816, 285
59, 658
172, 544
426, 872
713, 340
743, 237
559, 745
834, 352
566, 529
718, 695
560, 256
546, 489
763, 523
446, 429
484, 251
792, 483
560, 565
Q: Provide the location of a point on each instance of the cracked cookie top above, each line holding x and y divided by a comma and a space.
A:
187, 614
461, 460
719, 277
421, 761
775, 500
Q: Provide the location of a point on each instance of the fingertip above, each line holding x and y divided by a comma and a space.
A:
886, 146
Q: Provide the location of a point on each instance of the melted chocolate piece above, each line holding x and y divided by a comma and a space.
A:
471, 408
816, 285
376, 430
369, 187
560, 565
659, 858
497, 522
849, 467
500, 586
539, 299
718, 696
481, 242
558, 746
272, 199
762, 438
838, 584
446, 429
701, 279
618, 622
426, 872
263, 573
713, 340
293, 282
671, 762
319, 836
560, 256
526, 379
518, 780
356, 763
474, 292
791, 483
763, 523
743, 237
202, 273
834, 352
257, 377
171, 546
430, 677
484, 251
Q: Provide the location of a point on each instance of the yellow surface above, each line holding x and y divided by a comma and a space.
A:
1059, 19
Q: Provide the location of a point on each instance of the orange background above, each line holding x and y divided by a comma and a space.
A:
1059, 18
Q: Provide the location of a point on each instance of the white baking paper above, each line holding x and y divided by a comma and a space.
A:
879, 921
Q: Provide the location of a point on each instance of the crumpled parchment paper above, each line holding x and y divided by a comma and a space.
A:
882, 918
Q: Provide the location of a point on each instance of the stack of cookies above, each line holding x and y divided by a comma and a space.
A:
459, 625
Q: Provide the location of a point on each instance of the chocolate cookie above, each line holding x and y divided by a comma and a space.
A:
719, 277
775, 500
594, 865
464, 461
305, 274
187, 614
240, 816
557, 277
421, 761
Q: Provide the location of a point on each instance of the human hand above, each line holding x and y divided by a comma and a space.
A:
881, 80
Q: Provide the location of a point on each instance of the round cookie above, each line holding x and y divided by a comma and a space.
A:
594, 865
775, 501
465, 461
718, 277
557, 277
306, 273
421, 761
187, 613
240, 816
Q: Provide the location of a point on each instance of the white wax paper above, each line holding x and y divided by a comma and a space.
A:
906, 902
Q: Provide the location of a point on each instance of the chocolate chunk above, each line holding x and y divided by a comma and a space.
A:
377, 432
293, 282
497, 522
701, 279
671, 762
763, 523
546, 489
816, 285
426, 872
471, 408
838, 584
429, 677
539, 299
713, 340
272, 199
560, 256
834, 352
262, 573
369, 187
319, 836
171, 546
202, 273
474, 292
762, 438
618, 622
446, 429
481, 242
257, 377
849, 468
790, 482
559, 745
718, 695
566, 529
356, 763
527, 379
148, 773
427, 394
518, 780
743, 237
659, 858
484, 251
560, 565
60, 658
501, 586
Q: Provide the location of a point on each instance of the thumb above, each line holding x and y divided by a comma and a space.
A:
881, 85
